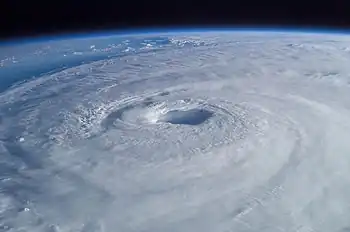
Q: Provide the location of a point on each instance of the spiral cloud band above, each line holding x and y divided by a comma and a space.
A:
215, 131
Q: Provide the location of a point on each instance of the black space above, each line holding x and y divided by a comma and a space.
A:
35, 18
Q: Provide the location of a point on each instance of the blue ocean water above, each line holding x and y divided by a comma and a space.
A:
30, 60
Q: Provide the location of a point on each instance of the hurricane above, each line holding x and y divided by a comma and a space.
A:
224, 131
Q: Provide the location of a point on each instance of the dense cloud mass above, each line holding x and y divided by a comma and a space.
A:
210, 131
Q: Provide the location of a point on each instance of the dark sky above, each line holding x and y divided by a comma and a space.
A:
50, 17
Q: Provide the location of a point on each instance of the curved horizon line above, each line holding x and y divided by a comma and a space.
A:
167, 30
